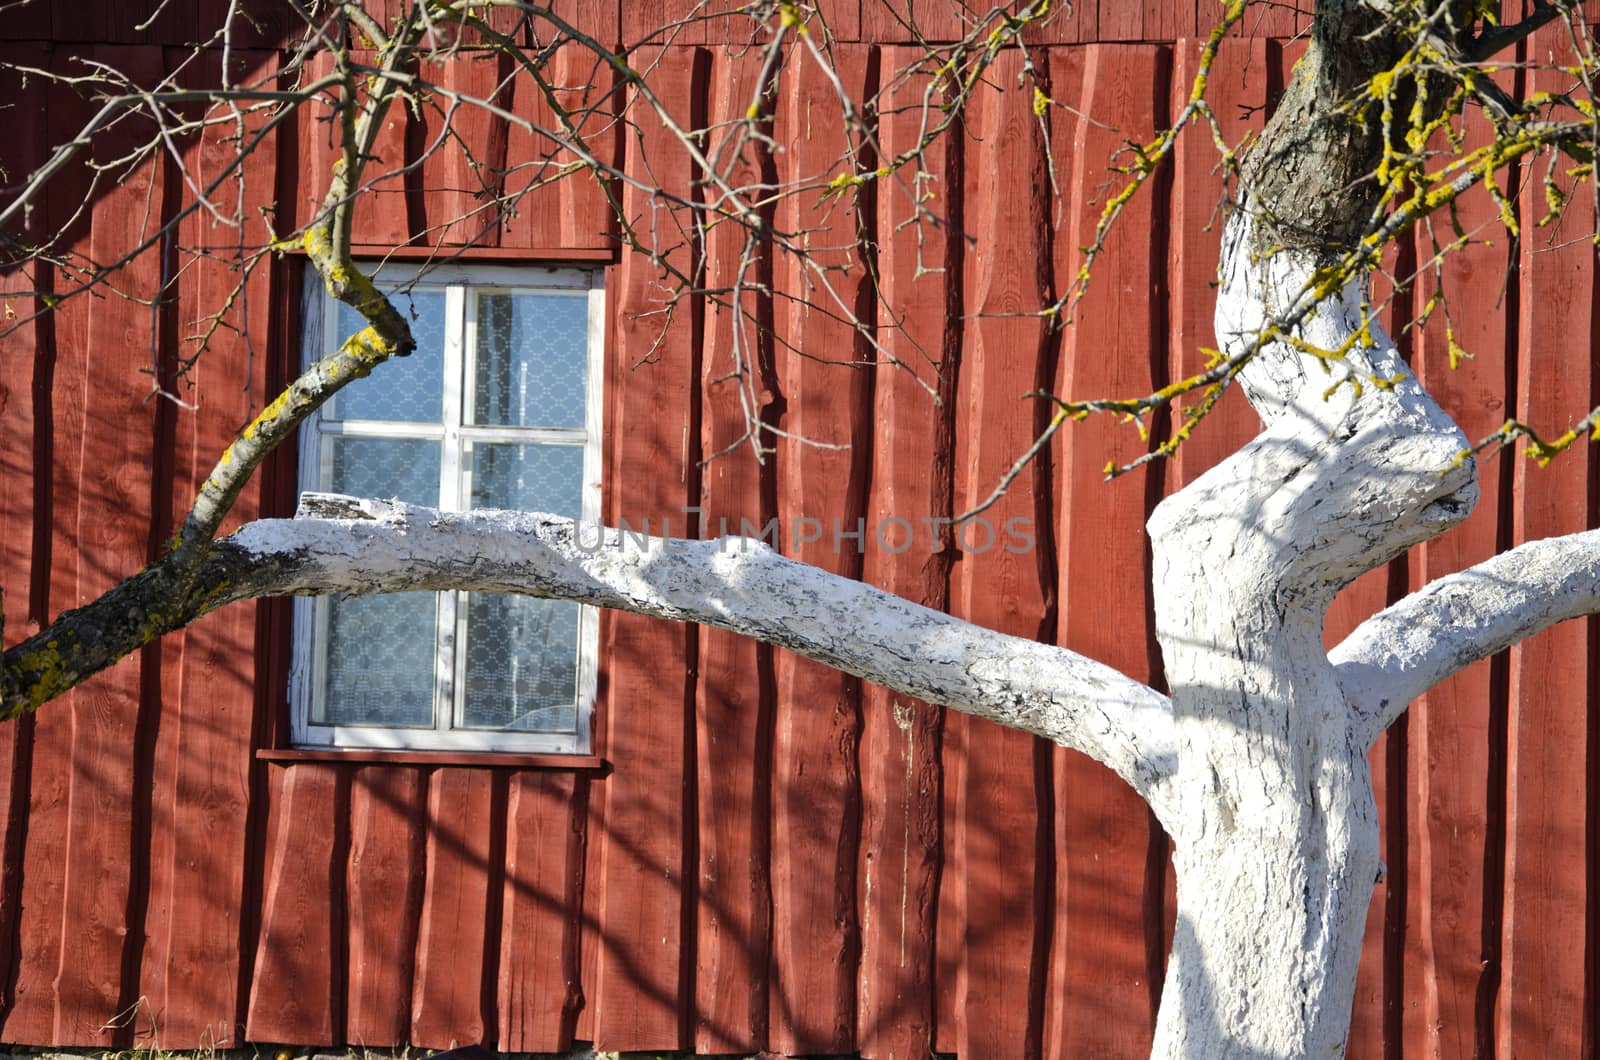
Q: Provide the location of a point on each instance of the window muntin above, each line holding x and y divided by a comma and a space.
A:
498, 408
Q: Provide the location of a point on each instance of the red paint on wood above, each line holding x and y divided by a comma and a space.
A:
1278, 19
388, 806
1359, 601
112, 497
292, 993
1099, 980
911, 483
1121, 21
1450, 727
190, 971
447, 996
642, 933
32, 1015
997, 582
733, 699
1168, 20
381, 213
1542, 1009
842, 19
26, 357
1238, 83
540, 994
656, 23
460, 175
592, 821
816, 783
547, 205
887, 22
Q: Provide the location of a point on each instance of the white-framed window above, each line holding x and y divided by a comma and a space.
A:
499, 407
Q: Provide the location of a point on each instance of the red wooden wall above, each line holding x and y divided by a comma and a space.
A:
771, 856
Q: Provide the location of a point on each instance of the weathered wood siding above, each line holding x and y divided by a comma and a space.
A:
773, 856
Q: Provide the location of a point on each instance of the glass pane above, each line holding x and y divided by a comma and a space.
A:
522, 663
522, 653
531, 360
381, 649
408, 389
380, 661
533, 478
386, 469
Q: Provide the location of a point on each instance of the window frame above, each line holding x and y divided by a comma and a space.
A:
460, 284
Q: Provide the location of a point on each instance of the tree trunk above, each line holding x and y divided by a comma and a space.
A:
1278, 854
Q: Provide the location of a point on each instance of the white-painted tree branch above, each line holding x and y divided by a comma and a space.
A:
1401, 652
341, 545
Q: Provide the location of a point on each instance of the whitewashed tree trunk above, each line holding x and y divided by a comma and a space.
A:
1277, 854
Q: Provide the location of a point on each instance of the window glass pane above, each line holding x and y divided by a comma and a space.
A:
408, 389
380, 661
531, 361
522, 663
531, 478
522, 653
386, 469
381, 648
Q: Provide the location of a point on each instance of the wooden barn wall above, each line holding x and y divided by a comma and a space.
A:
774, 857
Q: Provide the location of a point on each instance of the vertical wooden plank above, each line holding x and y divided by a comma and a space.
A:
27, 352
911, 484
655, 23
886, 22
447, 995
1237, 87
733, 700
190, 971
113, 500
997, 582
842, 18
1450, 727
937, 22
1276, 19
292, 992
1169, 20
1541, 1008
1102, 828
388, 806
459, 176
599, 19
33, 1002
539, 966
592, 821
545, 208
1120, 22
644, 892
383, 214
1359, 601
816, 782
